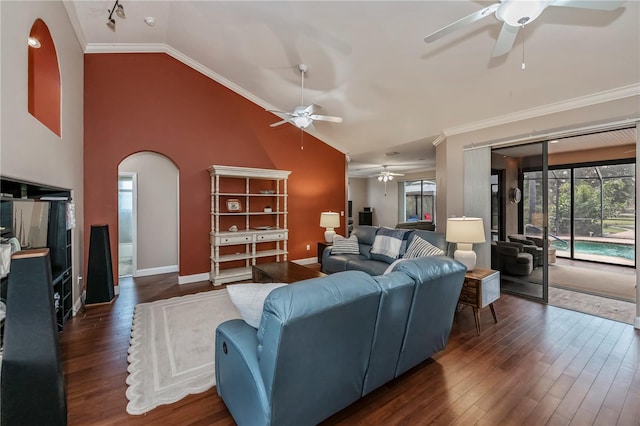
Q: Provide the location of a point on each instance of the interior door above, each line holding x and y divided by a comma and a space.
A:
521, 252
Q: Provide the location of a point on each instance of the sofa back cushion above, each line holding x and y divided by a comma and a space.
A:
395, 302
314, 344
366, 234
438, 283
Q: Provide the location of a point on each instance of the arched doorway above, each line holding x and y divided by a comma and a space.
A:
148, 215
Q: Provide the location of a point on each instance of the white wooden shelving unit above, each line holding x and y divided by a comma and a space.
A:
260, 233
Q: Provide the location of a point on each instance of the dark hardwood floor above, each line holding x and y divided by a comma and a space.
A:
538, 365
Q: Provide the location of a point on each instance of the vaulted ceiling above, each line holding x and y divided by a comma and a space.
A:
368, 62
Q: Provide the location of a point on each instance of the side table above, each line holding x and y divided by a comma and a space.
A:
480, 289
321, 246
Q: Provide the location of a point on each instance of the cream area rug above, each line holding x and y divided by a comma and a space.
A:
172, 348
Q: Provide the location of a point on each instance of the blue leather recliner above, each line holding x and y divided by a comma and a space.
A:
324, 343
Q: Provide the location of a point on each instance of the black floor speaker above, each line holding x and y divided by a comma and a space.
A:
32, 388
99, 272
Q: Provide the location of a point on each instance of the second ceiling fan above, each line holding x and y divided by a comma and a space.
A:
303, 115
515, 14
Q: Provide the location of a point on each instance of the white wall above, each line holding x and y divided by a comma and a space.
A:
157, 212
29, 150
369, 192
450, 154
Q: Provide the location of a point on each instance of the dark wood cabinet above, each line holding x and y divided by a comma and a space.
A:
58, 238
365, 218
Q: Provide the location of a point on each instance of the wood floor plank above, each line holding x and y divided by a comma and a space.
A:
538, 365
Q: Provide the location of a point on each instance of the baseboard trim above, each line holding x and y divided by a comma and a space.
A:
156, 271
77, 306
636, 322
195, 278
307, 261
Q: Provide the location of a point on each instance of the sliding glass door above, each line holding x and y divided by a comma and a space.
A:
521, 249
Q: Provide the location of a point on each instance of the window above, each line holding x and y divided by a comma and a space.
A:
419, 200
591, 211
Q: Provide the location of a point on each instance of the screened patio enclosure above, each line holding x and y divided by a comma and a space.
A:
591, 211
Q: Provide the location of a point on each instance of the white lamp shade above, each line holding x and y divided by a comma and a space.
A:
466, 230
329, 220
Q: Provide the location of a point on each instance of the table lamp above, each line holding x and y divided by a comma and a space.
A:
465, 231
329, 220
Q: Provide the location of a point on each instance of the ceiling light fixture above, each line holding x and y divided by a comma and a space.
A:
520, 13
33, 42
150, 21
118, 9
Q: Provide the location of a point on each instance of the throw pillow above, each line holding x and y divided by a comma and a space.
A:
342, 245
421, 248
389, 244
249, 300
391, 267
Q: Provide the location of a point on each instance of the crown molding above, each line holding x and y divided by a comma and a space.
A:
176, 54
566, 105
441, 138
75, 23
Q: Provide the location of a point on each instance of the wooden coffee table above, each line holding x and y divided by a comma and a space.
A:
282, 272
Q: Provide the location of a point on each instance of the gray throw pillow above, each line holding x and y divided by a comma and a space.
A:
342, 245
421, 248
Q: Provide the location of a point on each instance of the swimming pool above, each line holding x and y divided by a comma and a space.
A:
624, 251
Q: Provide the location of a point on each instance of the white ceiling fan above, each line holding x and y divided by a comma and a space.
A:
303, 115
386, 176
515, 14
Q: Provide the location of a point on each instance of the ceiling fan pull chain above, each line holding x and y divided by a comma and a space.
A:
301, 140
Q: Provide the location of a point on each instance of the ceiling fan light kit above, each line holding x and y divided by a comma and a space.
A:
303, 115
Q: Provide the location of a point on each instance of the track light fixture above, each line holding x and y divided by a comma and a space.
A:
119, 10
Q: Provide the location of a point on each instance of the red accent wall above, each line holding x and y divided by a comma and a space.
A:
44, 78
152, 102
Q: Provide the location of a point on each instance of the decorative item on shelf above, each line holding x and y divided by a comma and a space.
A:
267, 191
465, 231
233, 205
233, 228
329, 220
267, 209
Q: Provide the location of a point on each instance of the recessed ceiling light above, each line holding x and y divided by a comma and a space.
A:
150, 21
554, 141
33, 42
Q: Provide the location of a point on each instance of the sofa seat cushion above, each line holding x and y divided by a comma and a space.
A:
338, 262
371, 267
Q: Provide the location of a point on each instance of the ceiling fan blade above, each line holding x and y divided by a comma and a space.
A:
310, 109
280, 113
589, 4
279, 123
505, 40
469, 19
326, 118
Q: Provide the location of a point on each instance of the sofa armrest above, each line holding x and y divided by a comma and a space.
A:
238, 379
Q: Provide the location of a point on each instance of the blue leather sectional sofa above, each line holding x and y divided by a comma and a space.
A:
332, 263
324, 343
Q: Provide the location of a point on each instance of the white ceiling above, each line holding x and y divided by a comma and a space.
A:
369, 64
